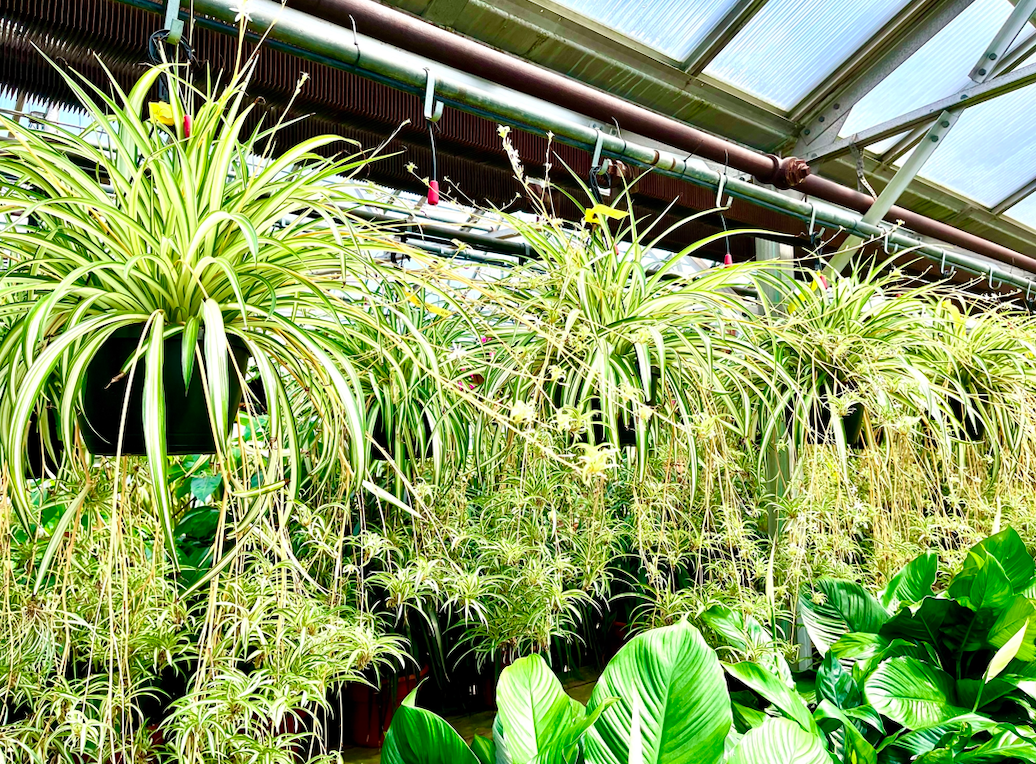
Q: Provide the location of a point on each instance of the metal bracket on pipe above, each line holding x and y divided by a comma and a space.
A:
173, 22
432, 107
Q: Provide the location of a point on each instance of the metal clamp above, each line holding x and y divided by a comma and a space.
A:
432, 107
172, 22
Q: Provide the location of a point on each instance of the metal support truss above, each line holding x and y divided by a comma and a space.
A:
823, 117
969, 96
895, 188
983, 70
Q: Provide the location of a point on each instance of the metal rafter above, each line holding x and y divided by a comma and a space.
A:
964, 98
1023, 10
720, 36
828, 108
1017, 196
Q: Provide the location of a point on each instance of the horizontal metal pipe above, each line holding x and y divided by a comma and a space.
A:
413, 34
315, 39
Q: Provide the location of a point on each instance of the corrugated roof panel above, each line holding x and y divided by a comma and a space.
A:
791, 46
938, 69
991, 151
1024, 212
672, 27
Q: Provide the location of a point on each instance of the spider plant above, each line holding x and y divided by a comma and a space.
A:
849, 351
593, 336
204, 238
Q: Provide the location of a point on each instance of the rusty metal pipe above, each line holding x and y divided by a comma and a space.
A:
425, 39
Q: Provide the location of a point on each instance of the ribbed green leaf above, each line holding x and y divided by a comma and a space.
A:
676, 682
912, 693
774, 691
836, 608
913, 583
533, 708
780, 741
417, 736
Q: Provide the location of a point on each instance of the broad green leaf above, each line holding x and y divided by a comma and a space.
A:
1007, 653
913, 583
534, 710
1009, 550
484, 750
780, 741
833, 608
681, 693
912, 693
855, 747
417, 736
774, 691
835, 684
985, 585
925, 620
1019, 612
921, 741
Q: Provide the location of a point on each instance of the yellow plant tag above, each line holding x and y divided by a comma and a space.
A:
599, 212
161, 112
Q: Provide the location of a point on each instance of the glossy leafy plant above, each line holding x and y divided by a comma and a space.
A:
204, 236
661, 699
909, 675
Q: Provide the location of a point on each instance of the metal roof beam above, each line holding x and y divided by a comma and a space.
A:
1022, 193
1015, 56
1003, 40
828, 111
720, 35
895, 187
962, 99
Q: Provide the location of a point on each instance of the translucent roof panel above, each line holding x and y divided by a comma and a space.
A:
991, 151
938, 69
672, 27
1024, 212
791, 46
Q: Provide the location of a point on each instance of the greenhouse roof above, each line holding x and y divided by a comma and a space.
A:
852, 86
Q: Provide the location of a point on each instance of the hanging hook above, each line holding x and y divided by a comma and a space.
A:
723, 183
172, 22
999, 283
356, 40
942, 267
600, 191
1028, 292
432, 107
812, 220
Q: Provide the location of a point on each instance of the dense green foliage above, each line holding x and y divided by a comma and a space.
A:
460, 468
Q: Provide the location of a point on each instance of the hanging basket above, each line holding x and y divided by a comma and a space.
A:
43, 452
188, 430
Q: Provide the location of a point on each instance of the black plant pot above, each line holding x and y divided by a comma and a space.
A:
627, 429
43, 457
819, 419
188, 430
384, 444
972, 426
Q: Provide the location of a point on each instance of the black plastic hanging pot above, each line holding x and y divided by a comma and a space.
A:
188, 430
43, 453
384, 442
971, 426
819, 419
